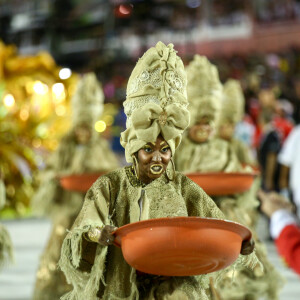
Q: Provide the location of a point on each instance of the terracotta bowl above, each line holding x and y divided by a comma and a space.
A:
221, 183
79, 182
181, 246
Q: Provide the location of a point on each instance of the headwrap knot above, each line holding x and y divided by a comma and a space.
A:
151, 119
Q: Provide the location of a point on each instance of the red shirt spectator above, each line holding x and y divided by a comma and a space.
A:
288, 246
283, 126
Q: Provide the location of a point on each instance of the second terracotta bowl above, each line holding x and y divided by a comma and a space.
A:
79, 182
221, 183
181, 246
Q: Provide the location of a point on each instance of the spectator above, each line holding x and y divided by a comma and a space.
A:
282, 120
289, 159
268, 149
284, 227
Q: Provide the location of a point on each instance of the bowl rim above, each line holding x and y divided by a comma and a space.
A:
78, 175
226, 174
229, 225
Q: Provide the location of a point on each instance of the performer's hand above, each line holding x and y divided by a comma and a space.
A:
247, 247
106, 237
103, 235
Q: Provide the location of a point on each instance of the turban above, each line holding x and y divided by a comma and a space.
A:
156, 101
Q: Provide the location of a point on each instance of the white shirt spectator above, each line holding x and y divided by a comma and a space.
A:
279, 220
290, 157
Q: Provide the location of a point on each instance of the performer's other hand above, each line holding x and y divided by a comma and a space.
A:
247, 247
106, 237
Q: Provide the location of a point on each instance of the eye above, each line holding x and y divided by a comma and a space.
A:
147, 149
165, 149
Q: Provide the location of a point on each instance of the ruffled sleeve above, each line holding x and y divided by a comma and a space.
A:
82, 261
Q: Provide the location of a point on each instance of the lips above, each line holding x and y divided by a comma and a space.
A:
156, 169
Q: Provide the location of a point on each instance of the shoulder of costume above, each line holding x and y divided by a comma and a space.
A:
112, 177
219, 143
183, 180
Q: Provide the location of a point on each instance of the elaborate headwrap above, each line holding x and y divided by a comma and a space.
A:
233, 104
87, 102
156, 100
204, 89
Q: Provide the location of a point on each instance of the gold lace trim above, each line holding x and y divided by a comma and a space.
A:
134, 181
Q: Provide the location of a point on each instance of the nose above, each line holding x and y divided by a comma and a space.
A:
156, 157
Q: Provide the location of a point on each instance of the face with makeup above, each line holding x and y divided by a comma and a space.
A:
153, 160
201, 131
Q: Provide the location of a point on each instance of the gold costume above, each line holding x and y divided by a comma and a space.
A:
215, 155
62, 205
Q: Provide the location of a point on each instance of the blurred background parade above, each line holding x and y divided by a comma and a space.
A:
47, 45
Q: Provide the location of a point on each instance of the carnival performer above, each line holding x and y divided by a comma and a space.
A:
80, 151
157, 115
6, 248
201, 151
232, 112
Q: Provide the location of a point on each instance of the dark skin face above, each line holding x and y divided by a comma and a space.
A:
83, 134
202, 131
226, 131
153, 160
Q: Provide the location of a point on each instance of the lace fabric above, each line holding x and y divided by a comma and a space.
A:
158, 80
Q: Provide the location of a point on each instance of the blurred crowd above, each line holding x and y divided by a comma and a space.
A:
45, 173
271, 85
